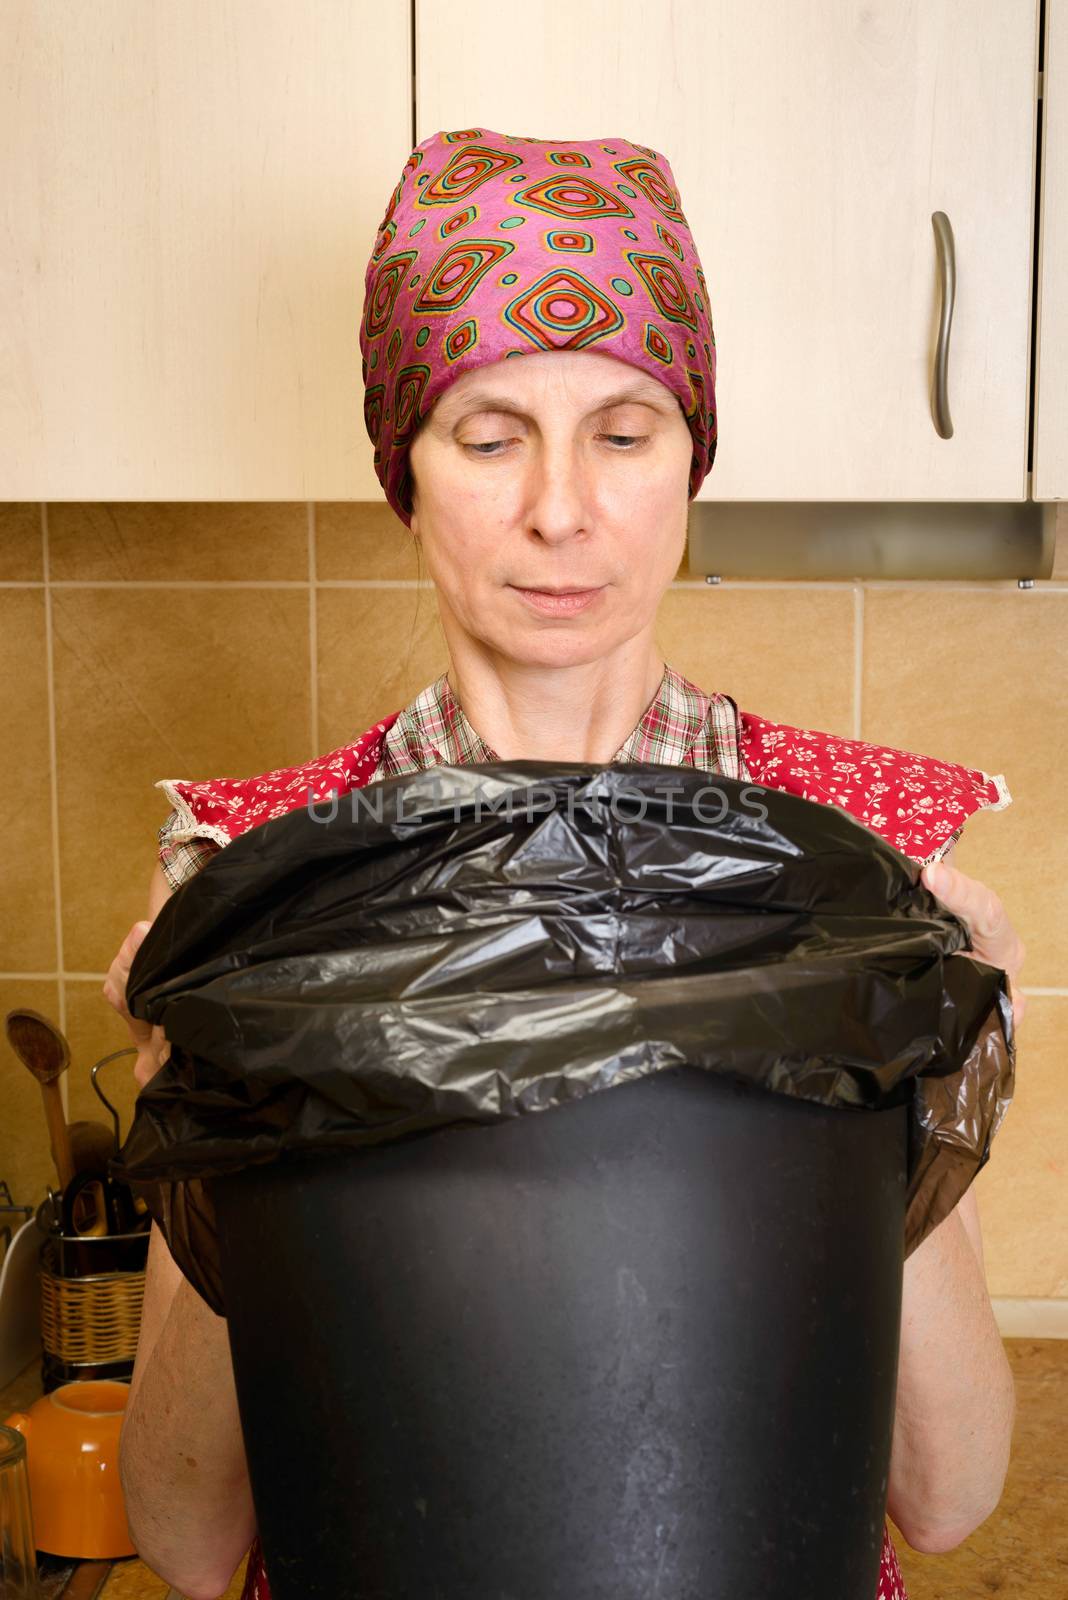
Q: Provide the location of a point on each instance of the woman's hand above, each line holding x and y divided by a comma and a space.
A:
994, 939
152, 1048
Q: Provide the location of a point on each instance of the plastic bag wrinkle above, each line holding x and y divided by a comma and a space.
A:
333, 985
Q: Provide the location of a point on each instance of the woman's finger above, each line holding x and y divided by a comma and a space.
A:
152, 1057
1016, 995
119, 971
992, 934
993, 937
153, 1048
114, 986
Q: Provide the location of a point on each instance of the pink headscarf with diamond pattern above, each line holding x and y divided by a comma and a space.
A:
494, 245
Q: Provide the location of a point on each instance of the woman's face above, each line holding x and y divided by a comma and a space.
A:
561, 470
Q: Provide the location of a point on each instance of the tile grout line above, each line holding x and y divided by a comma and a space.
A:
1005, 586
858, 658
50, 682
313, 634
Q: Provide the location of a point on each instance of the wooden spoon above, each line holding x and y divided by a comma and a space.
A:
92, 1145
39, 1044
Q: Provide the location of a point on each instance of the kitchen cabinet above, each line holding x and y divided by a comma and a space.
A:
812, 145
191, 194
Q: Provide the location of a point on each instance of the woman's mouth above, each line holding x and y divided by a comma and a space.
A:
559, 602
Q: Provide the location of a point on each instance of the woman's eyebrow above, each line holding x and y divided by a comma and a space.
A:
486, 400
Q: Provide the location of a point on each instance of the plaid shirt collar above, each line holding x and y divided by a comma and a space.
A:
681, 726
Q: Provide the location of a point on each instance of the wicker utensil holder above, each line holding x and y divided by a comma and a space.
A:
90, 1319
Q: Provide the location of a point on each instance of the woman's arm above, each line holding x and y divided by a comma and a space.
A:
956, 1403
182, 1461
182, 1458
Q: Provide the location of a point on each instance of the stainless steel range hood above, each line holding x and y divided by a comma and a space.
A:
863, 539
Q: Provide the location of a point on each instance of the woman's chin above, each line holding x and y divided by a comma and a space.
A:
566, 646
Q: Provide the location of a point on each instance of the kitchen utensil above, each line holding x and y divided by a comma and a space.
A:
94, 1074
124, 1212
40, 1046
92, 1145
87, 1581
90, 1255
133, 1207
72, 1440
119, 1206
95, 1205
84, 1208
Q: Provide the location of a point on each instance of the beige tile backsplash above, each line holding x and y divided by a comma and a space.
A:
149, 641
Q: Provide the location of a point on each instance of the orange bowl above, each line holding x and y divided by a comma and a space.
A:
72, 1455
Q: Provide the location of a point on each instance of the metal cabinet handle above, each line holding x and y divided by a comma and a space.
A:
947, 273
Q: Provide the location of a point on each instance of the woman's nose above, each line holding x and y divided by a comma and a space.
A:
558, 494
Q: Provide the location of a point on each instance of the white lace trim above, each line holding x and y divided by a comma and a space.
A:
1004, 797
936, 855
186, 826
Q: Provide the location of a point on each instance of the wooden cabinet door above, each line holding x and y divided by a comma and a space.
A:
811, 144
191, 195
1050, 474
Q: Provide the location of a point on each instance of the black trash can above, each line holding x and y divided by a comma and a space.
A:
555, 1167
640, 1345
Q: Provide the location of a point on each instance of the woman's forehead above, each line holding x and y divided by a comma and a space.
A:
583, 379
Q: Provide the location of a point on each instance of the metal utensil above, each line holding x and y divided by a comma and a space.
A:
132, 1208
85, 1206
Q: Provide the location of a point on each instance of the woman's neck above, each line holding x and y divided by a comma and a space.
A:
531, 712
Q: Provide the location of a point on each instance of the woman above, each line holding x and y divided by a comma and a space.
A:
549, 498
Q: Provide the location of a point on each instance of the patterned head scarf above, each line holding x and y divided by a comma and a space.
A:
494, 245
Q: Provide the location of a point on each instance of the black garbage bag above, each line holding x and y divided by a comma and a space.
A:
475, 943
497, 1334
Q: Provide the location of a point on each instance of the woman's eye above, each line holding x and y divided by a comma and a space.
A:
620, 441
627, 438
